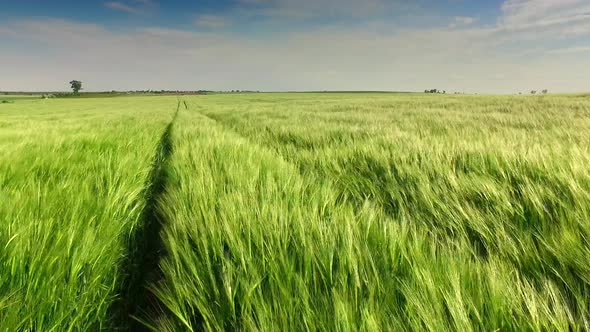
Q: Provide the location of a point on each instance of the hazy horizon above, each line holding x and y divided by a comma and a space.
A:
500, 46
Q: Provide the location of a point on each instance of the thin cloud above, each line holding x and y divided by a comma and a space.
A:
459, 21
114, 5
530, 14
305, 9
212, 21
570, 50
138, 7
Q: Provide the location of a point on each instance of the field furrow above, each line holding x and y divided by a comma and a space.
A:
145, 248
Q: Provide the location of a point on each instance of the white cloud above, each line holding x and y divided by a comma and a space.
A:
122, 7
538, 14
212, 21
570, 50
135, 7
304, 9
461, 21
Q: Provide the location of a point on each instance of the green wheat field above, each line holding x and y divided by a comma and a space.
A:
295, 212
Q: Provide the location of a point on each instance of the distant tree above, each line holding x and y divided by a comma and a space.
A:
444, 91
76, 86
533, 92
545, 91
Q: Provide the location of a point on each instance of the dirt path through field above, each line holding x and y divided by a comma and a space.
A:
141, 266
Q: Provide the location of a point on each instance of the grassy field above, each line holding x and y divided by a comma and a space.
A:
289, 212
11, 99
73, 180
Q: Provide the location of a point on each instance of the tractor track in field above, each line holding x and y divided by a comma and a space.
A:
140, 267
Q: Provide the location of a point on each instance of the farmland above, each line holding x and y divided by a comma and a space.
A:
290, 212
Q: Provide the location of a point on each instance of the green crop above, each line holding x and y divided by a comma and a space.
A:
291, 212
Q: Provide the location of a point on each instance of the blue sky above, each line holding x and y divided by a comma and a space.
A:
250, 16
494, 46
